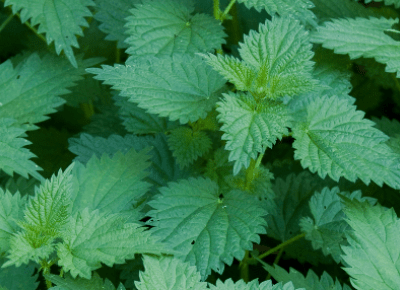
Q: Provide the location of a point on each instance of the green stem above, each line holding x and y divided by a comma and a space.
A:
226, 11
216, 9
6, 22
276, 261
284, 244
244, 268
250, 171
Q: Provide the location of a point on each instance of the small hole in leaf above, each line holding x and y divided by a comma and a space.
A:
324, 206
18, 77
193, 242
221, 196
290, 232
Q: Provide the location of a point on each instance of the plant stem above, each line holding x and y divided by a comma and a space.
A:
284, 244
244, 268
226, 11
216, 9
4, 24
276, 261
250, 171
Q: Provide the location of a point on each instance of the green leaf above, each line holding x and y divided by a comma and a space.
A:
95, 237
250, 127
61, 20
68, 283
252, 285
45, 218
373, 254
361, 37
310, 282
280, 53
285, 211
234, 70
11, 210
165, 27
163, 167
327, 230
19, 277
12, 156
137, 121
112, 16
392, 129
207, 229
334, 139
31, 90
183, 87
168, 273
396, 3
111, 184
188, 145
294, 8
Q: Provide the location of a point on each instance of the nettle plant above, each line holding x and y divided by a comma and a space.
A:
216, 161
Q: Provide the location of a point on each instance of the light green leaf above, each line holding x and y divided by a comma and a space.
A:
373, 254
280, 53
188, 145
61, 20
45, 217
252, 285
68, 283
310, 282
207, 229
234, 70
14, 158
164, 273
31, 90
111, 184
334, 139
361, 37
93, 238
250, 127
11, 210
183, 87
294, 8
327, 230
152, 33
112, 16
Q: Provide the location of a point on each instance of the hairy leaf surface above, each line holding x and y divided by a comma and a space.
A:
60, 20
13, 157
168, 273
327, 229
250, 127
31, 90
334, 139
112, 15
361, 37
373, 254
165, 27
297, 8
111, 185
309, 282
207, 229
181, 87
93, 238
280, 53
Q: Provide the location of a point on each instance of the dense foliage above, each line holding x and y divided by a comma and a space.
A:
175, 144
